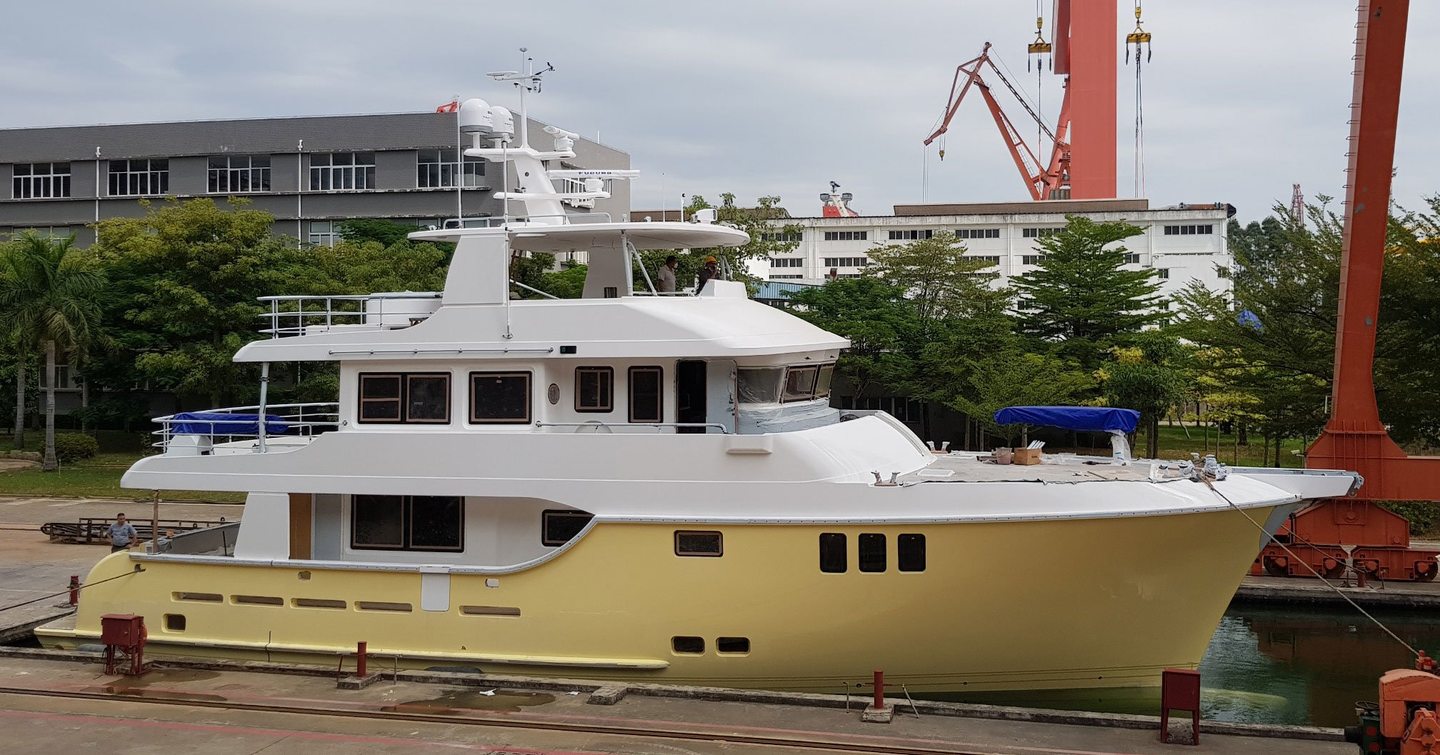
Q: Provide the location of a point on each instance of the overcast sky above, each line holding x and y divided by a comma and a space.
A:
1242, 99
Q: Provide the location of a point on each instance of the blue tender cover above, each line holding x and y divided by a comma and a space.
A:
224, 423
1084, 418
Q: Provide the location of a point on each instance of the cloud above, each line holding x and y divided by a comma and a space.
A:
1242, 99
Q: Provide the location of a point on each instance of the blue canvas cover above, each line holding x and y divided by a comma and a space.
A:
1083, 418
224, 423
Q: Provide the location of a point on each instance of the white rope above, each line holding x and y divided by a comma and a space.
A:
1307, 565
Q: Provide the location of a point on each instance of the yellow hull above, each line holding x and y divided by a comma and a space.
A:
1054, 604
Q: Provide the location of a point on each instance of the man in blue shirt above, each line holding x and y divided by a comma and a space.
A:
122, 534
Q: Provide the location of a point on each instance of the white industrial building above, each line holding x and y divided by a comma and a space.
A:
1184, 243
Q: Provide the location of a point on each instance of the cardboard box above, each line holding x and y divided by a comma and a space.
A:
1027, 456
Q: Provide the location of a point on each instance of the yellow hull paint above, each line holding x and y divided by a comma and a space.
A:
1055, 604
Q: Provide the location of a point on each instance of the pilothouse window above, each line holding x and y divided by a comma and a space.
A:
594, 389
800, 383
759, 385
646, 400
500, 397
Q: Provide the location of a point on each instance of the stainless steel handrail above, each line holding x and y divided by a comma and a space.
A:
607, 425
291, 314
301, 420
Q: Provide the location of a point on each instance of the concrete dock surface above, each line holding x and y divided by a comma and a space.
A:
49, 704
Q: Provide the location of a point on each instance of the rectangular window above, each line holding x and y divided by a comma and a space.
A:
847, 235
647, 402
1032, 259
342, 171
690, 543
800, 383
500, 397
1132, 258
409, 523
759, 385
1038, 233
1163, 273
687, 645
911, 552
872, 552
560, 526
792, 237
832, 553
846, 261
912, 234
594, 389
401, 398
41, 181
787, 262
787, 277
990, 260
323, 233
977, 233
435, 169
139, 178
737, 645
822, 383
239, 174
1189, 230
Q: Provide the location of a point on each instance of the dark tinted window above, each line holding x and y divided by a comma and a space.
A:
832, 553
872, 553
379, 398
437, 523
559, 527
732, 644
688, 645
427, 398
393, 522
378, 521
500, 397
645, 394
594, 389
911, 552
698, 543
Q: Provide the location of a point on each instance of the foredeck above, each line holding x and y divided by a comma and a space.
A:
1059, 469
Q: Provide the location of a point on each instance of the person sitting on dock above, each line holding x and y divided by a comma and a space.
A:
122, 534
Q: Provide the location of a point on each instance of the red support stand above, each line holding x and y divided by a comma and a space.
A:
879, 689
360, 659
1180, 690
74, 589
124, 637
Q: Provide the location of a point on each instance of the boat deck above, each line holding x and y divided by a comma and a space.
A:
1061, 469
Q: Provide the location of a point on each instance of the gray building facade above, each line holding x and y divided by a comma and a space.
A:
309, 172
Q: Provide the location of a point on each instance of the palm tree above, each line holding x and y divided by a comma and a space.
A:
48, 299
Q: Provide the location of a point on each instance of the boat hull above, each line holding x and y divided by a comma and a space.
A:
1048, 604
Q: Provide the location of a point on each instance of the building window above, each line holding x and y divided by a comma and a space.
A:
977, 233
434, 170
790, 237
1038, 233
846, 261
1189, 230
41, 181
65, 380
787, 262
787, 277
500, 398
560, 526
911, 552
402, 398
409, 523
139, 178
690, 543
989, 260
847, 235
1162, 273
323, 233
911, 235
239, 174
872, 553
832, 553
800, 383
342, 171
1132, 258
647, 403
594, 389
1032, 259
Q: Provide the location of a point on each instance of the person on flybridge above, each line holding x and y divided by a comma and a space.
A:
710, 270
666, 276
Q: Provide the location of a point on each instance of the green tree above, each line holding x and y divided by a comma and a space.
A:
938, 279
1082, 297
1148, 378
379, 230
882, 325
1016, 376
48, 298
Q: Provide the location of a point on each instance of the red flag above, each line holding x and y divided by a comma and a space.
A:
453, 106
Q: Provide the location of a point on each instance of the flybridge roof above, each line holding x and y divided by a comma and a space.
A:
535, 237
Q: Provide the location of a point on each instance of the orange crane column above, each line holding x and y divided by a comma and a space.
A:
1090, 59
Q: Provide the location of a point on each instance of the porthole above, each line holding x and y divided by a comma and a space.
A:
732, 645
174, 622
552, 394
693, 543
687, 645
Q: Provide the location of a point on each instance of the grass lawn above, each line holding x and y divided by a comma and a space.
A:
95, 478
1175, 445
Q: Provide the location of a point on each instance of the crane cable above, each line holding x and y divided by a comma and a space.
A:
1139, 37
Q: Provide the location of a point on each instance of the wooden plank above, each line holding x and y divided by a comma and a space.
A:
302, 517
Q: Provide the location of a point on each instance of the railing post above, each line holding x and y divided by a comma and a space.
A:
264, 390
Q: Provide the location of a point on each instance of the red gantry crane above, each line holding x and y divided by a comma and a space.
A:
1327, 532
1081, 163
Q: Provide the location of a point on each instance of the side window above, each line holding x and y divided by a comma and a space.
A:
427, 398
872, 553
691, 543
500, 397
912, 552
822, 383
832, 553
594, 389
380, 398
407, 523
560, 526
646, 397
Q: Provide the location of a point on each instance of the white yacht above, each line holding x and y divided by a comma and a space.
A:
649, 487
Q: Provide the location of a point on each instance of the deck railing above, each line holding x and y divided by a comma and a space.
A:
298, 315
187, 433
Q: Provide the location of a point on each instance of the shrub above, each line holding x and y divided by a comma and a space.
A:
1423, 515
72, 447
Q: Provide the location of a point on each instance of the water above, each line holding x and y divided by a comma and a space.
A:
1275, 665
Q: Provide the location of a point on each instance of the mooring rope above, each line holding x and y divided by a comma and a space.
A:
1209, 484
66, 591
